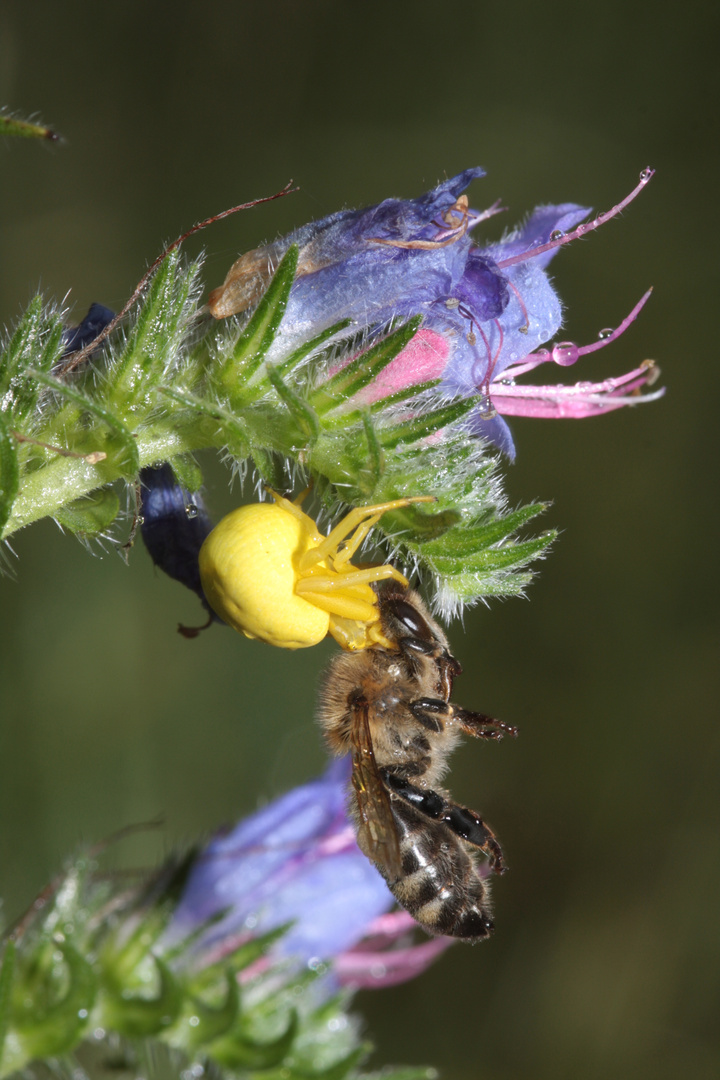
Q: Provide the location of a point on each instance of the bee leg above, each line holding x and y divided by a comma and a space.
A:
468, 825
481, 726
429, 712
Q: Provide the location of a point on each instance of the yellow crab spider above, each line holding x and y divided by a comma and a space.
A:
269, 573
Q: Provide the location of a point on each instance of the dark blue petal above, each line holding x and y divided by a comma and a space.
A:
77, 337
174, 525
483, 288
494, 430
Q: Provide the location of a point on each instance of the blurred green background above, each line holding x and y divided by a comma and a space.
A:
605, 959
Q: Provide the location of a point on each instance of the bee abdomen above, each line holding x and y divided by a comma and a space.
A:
439, 886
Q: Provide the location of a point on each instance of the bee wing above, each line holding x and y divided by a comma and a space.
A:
377, 832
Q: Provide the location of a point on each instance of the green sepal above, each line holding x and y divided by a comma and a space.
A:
271, 469
90, 515
337, 1071
201, 1023
422, 427
233, 428
310, 347
45, 1028
9, 474
187, 471
361, 370
303, 414
152, 345
135, 1015
257, 337
460, 543
238, 1051
37, 341
487, 560
119, 445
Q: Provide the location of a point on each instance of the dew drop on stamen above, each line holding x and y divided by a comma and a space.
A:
565, 353
191, 510
486, 409
606, 333
557, 234
645, 175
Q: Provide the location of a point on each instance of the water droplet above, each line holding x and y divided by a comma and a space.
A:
191, 510
605, 333
452, 302
140, 519
337, 1023
645, 175
565, 353
82, 1014
542, 355
557, 234
486, 409
317, 965
507, 382
193, 1021
378, 971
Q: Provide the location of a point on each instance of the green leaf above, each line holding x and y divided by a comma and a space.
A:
90, 515
9, 474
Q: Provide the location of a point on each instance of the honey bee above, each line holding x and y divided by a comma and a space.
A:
390, 708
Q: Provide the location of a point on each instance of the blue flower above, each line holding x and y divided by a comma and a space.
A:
485, 309
296, 861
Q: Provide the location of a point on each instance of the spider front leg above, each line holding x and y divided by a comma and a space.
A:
358, 522
465, 823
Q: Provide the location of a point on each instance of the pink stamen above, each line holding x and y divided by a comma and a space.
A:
578, 401
542, 356
582, 230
